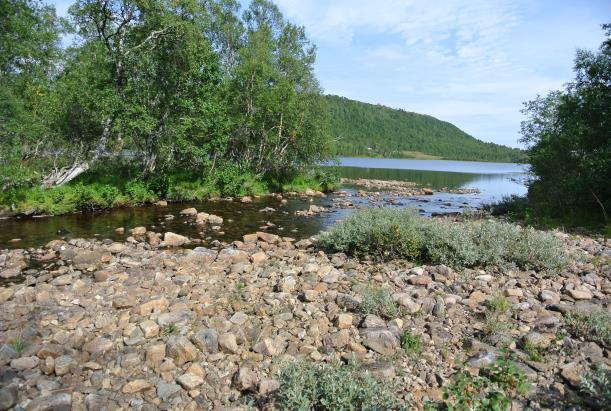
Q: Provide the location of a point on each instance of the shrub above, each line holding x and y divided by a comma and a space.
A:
493, 389
411, 342
591, 326
386, 234
498, 304
596, 387
337, 387
379, 301
139, 193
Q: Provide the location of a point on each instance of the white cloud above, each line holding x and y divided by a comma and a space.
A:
472, 62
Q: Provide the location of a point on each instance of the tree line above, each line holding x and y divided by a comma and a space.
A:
368, 130
197, 86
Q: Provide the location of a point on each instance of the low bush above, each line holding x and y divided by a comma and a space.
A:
596, 387
139, 192
386, 234
493, 389
379, 301
592, 326
337, 387
411, 343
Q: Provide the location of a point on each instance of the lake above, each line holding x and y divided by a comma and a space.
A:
494, 180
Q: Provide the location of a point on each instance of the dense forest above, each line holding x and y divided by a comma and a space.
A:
155, 94
362, 129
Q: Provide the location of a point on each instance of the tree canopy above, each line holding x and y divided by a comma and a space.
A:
192, 86
568, 133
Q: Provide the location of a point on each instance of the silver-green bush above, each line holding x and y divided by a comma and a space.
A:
386, 234
590, 325
596, 387
379, 301
308, 386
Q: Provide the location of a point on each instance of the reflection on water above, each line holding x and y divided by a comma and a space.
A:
472, 167
494, 180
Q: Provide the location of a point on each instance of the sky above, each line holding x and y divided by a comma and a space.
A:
470, 62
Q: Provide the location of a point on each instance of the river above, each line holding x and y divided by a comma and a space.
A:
494, 180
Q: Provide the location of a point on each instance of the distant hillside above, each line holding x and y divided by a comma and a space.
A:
363, 129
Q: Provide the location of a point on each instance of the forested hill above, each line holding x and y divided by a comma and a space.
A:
363, 129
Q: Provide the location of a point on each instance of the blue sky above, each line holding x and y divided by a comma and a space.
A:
470, 62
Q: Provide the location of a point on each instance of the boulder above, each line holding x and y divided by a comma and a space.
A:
380, 339
174, 240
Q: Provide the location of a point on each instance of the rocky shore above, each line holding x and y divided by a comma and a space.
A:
403, 188
98, 325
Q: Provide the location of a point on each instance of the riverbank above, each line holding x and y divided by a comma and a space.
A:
139, 324
101, 190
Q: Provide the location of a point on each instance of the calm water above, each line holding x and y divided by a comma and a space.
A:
493, 179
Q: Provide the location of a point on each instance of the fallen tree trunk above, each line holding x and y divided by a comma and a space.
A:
64, 175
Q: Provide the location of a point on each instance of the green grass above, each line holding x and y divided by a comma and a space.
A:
535, 352
387, 234
592, 326
498, 304
333, 387
18, 345
109, 187
170, 329
379, 301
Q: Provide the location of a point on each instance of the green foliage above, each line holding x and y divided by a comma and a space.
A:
379, 301
139, 193
337, 387
373, 130
171, 87
535, 352
493, 389
18, 345
596, 387
411, 342
102, 188
567, 133
523, 210
498, 304
233, 182
386, 234
591, 326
